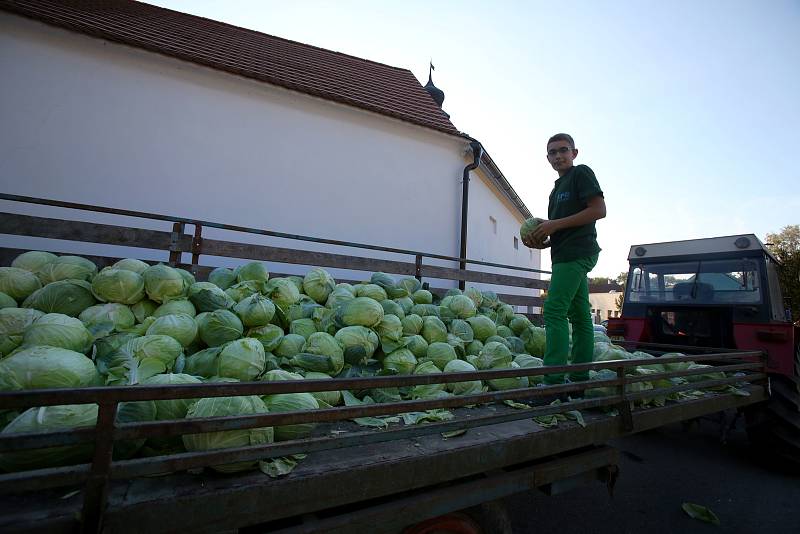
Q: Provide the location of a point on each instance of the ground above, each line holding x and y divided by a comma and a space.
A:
661, 469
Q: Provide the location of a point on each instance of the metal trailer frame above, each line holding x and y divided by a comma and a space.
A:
502, 437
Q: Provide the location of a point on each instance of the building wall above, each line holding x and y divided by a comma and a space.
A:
91, 121
604, 305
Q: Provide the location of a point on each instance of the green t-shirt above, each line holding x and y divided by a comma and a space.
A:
570, 196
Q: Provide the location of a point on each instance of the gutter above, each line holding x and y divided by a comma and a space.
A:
477, 153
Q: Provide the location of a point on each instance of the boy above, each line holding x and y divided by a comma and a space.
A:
576, 202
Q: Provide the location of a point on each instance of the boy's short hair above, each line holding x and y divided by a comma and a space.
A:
562, 137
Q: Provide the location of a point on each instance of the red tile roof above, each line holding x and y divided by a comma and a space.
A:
315, 71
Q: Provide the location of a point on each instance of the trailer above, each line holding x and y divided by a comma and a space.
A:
445, 476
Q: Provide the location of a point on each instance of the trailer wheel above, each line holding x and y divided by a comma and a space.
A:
773, 427
487, 518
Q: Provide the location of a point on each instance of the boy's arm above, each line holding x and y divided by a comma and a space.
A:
595, 209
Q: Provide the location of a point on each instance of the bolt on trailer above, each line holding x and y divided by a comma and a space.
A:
448, 473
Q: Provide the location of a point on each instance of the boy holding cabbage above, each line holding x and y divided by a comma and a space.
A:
576, 202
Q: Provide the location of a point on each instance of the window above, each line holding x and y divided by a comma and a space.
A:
493, 221
516, 242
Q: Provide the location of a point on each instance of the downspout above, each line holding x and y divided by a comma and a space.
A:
477, 152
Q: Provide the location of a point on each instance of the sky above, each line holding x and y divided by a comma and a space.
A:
687, 111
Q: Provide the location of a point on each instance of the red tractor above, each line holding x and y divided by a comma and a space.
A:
720, 292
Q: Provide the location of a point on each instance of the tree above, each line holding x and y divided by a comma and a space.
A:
785, 246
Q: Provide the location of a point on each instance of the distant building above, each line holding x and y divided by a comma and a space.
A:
603, 300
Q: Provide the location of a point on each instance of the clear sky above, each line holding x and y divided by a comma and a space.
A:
688, 111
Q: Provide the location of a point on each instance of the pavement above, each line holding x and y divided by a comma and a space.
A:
663, 468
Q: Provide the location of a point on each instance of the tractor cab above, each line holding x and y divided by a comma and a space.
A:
715, 292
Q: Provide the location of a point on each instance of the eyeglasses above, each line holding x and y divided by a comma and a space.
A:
560, 150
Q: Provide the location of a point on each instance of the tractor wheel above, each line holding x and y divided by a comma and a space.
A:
773, 427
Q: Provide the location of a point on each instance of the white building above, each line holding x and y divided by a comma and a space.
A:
144, 108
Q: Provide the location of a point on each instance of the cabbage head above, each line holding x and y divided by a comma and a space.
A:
462, 329
255, 270
179, 326
243, 359
283, 292
207, 297
472, 387
372, 291
474, 347
280, 374
417, 345
516, 344
58, 330
118, 285
474, 294
292, 402
218, 327
422, 296
391, 307
66, 270
18, 283
505, 314
519, 323
228, 406
106, 346
33, 260
482, 327
290, 345
526, 361
412, 324
504, 331
243, 290
338, 297
46, 367
534, 339
143, 309
440, 354
303, 327
462, 306
325, 345
513, 382
318, 284
428, 391
69, 297
103, 319
49, 419
142, 357
359, 343
361, 311
222, 277
410, 284
325, 398
13, 323
406, 303
173, 408
490, 300
174, 307
163, 283
494, 354
433, 329
269, 335
426, 310
6, 301
255, 310
390, 331
131, 264
401, 361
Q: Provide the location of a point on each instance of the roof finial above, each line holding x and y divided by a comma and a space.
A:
430, 72
436, 93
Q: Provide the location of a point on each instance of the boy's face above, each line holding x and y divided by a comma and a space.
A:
560, 155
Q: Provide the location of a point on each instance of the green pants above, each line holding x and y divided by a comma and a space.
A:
568, 299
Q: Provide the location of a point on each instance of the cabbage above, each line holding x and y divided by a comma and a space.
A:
390, 332
105, 347
131, 264
243, 359
322, 344
58, 330
228, 406
290, 345
433, 329
534, 339
140, 358
179, 326
222, 277
18, 283
474, 347
392, 308
417, 345
462, 306
490, 300
330, 398
65, 270
118, 285
50, 419
33, 261
143, 309
462, 329
372, 291
505, 314
338, 297
440, 354
445, 314
292, 402
494, 354
475, 295
280, 374
218, 327
422, 296
208, 297
482, 327
401, 361
406, 303
269, 335
410, 284
527, 229
318, 284
516, 345
425, 310
412, 324
243, 290
360, 311
526, 361
504, 331
472, 387
255, 270
513, 382
283, 292
13, 323
174, 307
163, 283
6, 301
359, 343
518, 324
103, 319
303, 327
255, 310
46, 367
428, 391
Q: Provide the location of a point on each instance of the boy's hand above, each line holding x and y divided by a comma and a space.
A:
545, 229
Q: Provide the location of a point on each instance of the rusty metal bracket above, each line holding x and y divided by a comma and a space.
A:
418, 267
175, 241
197, 245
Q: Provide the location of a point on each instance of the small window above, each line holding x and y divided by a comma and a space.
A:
494, 224
516, 242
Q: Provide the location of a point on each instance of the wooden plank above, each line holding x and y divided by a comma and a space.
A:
232, 249
446, 273
28, 225
522, 300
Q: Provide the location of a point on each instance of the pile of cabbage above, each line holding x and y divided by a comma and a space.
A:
66, 324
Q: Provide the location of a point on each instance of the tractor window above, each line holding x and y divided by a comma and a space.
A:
775, 297
734, 281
